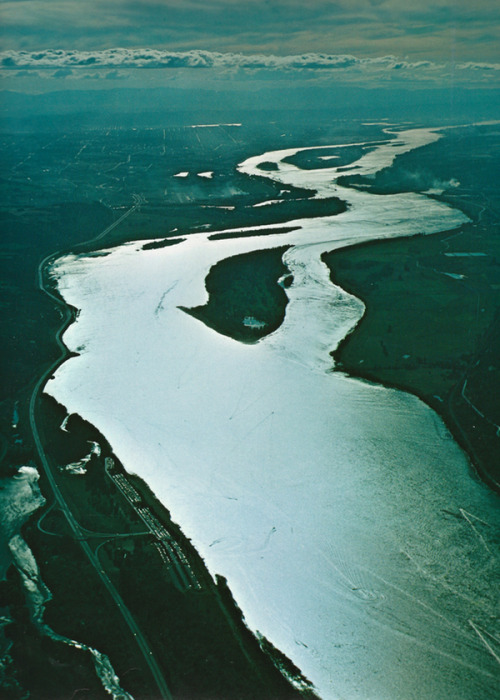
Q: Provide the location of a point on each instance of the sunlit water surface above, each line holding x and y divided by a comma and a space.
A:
342, 514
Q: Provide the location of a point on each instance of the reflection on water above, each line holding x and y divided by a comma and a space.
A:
341, 513
20, 496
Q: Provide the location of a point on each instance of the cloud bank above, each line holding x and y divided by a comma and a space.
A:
155, 58
427, 29
198, 59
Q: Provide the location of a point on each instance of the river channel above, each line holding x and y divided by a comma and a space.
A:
343, 514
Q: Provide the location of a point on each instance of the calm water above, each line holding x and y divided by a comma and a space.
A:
342, 514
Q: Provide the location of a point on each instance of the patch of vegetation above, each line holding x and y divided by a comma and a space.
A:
89, 495
258, 232
41, 668
268, 166
162, 244
199, 637
313, 159
242, 288
431, 323
27, 238
282, 212
286, 666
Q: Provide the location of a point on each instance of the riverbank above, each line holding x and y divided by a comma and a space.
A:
431, 327
227, 436
122, 554
193, 627
186, 609
223, 412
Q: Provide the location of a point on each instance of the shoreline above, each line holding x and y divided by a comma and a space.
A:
100, 270
280, 674
347, 359
351, 334
475, 467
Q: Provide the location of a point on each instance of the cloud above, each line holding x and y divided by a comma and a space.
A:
115, 75
434, 30
328, 68
62, 73
470, 65
155, 58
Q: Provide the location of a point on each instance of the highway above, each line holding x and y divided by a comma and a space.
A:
138, 200
80, 533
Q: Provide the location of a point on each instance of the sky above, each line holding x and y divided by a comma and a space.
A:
358, 41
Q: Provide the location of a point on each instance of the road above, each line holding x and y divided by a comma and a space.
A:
169, 550
79, 532
138, 200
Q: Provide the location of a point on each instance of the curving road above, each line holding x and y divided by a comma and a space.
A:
79, 532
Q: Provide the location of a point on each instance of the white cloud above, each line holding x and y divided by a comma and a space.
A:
470, 65
155, 58
383, 69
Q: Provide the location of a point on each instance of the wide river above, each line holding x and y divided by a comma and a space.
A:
343, 514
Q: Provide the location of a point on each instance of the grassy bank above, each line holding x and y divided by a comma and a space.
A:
432, 320
431, 324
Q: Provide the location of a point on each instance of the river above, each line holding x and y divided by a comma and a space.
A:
342, 514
